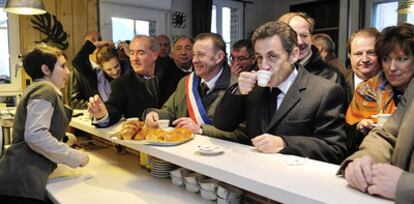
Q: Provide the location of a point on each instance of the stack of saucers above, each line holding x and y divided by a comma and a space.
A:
191, 182
160, 168
228, 194
177, 176
208, 189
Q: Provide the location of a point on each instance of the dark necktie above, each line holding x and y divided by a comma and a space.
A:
203, 89
151, 85
271, 103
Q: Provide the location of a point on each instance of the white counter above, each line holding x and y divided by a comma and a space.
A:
114, 178
268, 175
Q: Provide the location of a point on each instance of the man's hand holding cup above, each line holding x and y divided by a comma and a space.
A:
247, 80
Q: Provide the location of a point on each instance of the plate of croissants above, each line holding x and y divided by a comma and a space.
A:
136, 131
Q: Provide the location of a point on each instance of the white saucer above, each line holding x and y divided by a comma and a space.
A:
209, 149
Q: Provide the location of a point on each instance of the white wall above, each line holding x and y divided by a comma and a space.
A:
185, 7
256, 14
273, 9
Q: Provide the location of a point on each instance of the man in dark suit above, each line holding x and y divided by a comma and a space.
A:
149, 86
309, 55
182, 53
297, 113
84, 81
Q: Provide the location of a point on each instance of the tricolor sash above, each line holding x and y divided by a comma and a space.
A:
194, 105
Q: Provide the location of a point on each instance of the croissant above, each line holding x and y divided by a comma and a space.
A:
130, 129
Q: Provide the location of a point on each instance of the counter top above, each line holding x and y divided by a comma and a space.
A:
283, 178
115, 178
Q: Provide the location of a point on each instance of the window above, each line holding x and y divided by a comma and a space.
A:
4, 52
385, 14
227, 20
10, 82
126, 29
122, 21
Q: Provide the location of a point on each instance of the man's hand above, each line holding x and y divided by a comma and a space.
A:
247, 81
359, 173
365, 125
96, 107
102, 43
84, 159
151, 119
235, 68
268, 143
384, 180
188, 123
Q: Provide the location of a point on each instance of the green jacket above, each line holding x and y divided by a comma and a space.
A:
176, 105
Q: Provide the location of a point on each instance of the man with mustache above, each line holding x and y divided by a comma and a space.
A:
364, 62
148, 86
309, 55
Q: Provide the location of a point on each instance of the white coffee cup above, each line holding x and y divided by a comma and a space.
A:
163, 123
382, 117
263, 77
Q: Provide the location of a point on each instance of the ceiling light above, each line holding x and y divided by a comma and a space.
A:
25, 7
406, 6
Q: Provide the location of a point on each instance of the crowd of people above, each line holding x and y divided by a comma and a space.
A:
311, 106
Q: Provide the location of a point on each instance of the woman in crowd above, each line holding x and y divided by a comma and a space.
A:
382, 93
39, 126
110, 67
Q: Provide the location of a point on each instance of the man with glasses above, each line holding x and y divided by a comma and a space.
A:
242, 57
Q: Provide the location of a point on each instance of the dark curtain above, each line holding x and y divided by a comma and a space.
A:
201, 11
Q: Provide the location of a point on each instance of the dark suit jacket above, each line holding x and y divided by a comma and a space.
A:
130, 97
316, 66
79, 91
350, 83
310, 118
88, 81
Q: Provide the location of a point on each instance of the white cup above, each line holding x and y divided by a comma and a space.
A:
382, 117
263, 77
163, 124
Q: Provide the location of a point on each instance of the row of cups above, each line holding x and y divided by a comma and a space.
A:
210, 189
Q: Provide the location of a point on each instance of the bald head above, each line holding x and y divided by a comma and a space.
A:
165, 46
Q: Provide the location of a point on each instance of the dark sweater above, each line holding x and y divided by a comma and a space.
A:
24, 172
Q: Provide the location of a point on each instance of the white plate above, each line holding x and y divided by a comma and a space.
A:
209, 149
144, 142
169, 143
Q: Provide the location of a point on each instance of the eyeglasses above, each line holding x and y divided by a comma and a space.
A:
240, 58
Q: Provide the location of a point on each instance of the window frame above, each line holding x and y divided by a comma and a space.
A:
233, 4
370, 12
110, 9
15, 87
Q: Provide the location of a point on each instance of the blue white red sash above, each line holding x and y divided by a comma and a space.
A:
194, 105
